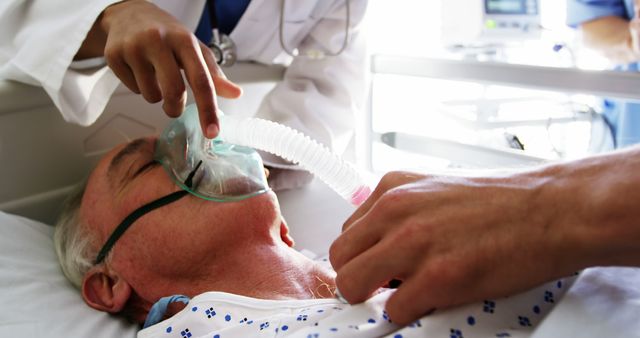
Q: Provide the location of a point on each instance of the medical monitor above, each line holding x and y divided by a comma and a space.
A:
478, 22
519, 7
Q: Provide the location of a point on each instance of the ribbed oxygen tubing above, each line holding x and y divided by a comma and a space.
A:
298, 148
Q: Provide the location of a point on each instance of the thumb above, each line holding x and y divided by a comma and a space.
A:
224, 87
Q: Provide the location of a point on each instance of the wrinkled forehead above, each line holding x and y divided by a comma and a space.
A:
112, 167
101, 189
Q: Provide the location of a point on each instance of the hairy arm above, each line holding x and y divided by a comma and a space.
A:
597, 199
501, 234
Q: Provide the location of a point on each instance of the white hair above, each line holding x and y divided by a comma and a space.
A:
72, 241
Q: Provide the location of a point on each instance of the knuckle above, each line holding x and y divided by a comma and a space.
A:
393, 195
113, 55
182, 38
388, 178
411, 230
389, 203
152, 34
153, 97
151, 94
396, 178
441, 274
171, 110
388, 181
335, 255
132, 48
174, 92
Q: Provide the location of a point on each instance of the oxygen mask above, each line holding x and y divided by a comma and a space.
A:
220, 171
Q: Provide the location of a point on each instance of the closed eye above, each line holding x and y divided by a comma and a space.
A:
146, 167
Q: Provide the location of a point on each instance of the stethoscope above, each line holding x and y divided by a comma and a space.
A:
224, 49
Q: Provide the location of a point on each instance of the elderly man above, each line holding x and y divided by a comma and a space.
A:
233, 259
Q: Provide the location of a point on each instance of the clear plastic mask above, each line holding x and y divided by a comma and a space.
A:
225, 172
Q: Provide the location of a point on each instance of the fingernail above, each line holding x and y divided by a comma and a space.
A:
341, 297
212, 131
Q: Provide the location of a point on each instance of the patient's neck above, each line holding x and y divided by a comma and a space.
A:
272, 272
255, 263
266, 270
279, 272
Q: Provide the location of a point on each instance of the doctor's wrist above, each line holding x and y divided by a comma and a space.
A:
553, 204
96, 39
112, 11
615, 198
593, 208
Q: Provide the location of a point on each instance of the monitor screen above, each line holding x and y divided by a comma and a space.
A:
523, 7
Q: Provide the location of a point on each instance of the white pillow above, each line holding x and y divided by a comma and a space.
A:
36, 300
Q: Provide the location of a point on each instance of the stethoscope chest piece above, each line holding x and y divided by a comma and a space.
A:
224, 50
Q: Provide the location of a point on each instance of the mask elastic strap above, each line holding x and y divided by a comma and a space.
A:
126, 223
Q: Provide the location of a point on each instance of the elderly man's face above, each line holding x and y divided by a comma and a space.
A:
172, 242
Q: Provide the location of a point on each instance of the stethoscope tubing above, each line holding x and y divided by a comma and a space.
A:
216, 40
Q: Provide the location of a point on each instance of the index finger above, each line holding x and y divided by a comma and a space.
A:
636, 9
199, 78
388, 182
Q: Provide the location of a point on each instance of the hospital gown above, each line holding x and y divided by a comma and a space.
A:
223, 315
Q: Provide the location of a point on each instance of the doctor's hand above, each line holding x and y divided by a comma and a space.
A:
147, 48
451, 241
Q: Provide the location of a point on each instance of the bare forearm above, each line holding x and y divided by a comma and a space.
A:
597, 208
611, 36
507, 233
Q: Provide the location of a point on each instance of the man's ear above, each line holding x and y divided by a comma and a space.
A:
284, 234
104, 290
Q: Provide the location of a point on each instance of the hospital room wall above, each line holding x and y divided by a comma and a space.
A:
42, 157
413, 28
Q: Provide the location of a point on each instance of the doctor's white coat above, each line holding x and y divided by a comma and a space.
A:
39, 38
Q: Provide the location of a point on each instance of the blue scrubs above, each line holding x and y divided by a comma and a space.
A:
228, 13
623, 116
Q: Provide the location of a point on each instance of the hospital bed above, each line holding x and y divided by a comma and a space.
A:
42, 157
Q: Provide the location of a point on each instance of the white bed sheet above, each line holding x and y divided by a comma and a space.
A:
37, 301
603, 302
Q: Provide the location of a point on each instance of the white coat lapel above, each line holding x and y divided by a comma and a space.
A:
257, 33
